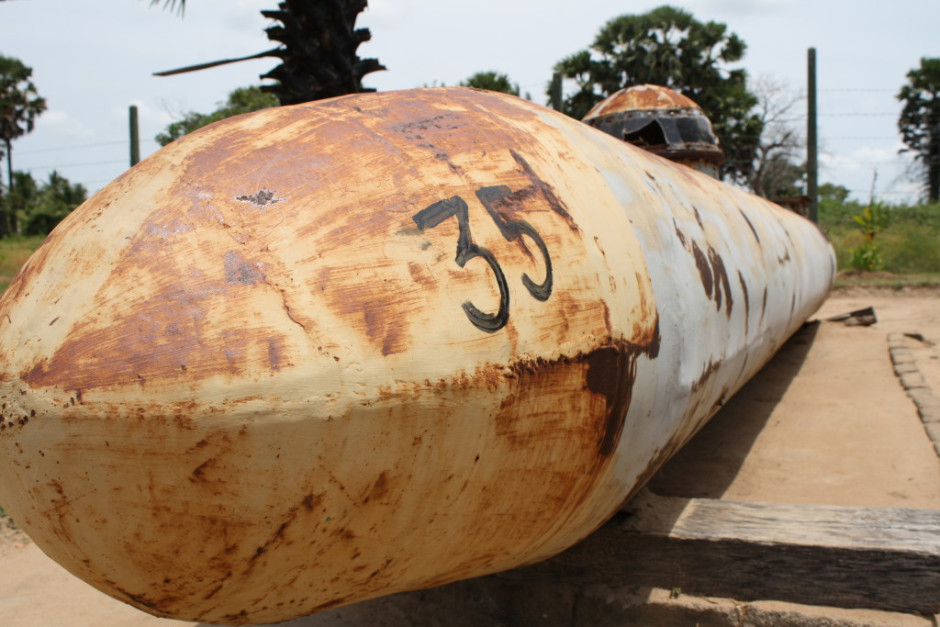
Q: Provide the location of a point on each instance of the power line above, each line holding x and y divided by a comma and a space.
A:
79, 146
857, 114
879, 193
74, 165
859, 89
28, 152
857, 162
95, 184
801, 119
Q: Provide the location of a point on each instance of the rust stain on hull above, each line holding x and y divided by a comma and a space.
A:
642, 98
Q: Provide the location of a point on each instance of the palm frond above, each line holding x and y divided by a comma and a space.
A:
171, 4
205, 66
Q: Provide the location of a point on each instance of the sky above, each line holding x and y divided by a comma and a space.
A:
92, 59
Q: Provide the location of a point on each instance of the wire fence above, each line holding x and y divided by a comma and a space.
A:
58, 155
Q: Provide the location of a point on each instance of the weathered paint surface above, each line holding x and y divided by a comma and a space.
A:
662, 121
318, 354
640, 98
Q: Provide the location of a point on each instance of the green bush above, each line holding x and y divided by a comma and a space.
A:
14, 251
36, 207
42, 223
908, 242
870, 221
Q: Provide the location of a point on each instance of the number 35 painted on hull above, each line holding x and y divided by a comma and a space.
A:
467, 249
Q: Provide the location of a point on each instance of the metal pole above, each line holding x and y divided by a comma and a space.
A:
812, 168
135, 136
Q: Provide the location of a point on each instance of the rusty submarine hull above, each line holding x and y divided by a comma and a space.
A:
322, 353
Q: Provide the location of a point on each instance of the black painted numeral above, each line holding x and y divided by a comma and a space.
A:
511, 230
467, 250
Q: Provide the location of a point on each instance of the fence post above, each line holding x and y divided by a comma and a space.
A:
812, 168
135, 136
556, 91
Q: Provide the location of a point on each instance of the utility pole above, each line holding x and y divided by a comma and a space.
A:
812, 167
555, 93
135, 136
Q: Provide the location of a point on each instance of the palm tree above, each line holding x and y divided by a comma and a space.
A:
317, 48
20, 104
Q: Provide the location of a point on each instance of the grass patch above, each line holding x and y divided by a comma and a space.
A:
909, 244
886, 280
14, 251
5, 520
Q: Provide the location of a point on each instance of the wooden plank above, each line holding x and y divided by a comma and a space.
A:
845, 528
853, 557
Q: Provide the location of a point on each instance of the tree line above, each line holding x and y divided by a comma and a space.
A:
665, 46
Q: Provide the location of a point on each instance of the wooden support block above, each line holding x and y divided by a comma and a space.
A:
853, 557
861, 317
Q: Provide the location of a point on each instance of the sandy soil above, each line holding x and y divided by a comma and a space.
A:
825, 422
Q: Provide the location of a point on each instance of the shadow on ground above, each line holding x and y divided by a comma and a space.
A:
709, 463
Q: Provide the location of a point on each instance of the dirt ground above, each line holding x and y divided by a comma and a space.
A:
826, 422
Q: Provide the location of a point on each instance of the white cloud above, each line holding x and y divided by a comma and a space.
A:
867, 166
150, 119
864, 157
61, 123
383, 10
152, 115
876, 155
742, 8
245, 15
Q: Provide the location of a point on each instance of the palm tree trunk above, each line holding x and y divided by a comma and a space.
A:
933, 166
9, 151
3, 231
10, 226
7, 207
318, 50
